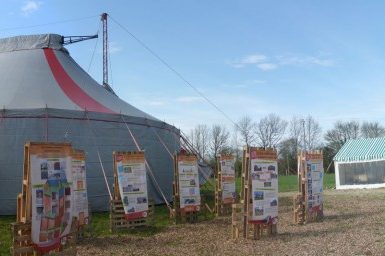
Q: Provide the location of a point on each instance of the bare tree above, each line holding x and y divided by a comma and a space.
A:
372, 130
342, 132
312, 133
270, 130
305, 132
245, 127
219, 139
296, 132
199, 138
288, 155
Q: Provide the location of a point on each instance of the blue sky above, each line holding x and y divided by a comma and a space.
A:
324, 58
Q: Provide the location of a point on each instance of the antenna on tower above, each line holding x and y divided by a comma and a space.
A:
105, 53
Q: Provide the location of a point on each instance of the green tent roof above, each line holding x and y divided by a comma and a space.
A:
362, 150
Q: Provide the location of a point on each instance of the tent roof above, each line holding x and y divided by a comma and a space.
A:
37, 72
357, 150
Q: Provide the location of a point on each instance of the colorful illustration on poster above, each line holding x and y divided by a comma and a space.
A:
52, 197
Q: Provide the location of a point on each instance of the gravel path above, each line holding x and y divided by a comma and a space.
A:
353, 225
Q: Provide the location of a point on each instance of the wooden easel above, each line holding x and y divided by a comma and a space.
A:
189, 215
251, 229
118, 221
302, 214
221, 208
22, 244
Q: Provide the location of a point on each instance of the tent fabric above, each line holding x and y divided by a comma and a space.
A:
91, 132
356, 150
46, 96
48, 77
29, 42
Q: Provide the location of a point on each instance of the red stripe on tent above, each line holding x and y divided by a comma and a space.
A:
70, 88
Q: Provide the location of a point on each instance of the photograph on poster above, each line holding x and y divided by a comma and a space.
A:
267, 184
189, 201
258, 211
127, 169
141, 200
258, 195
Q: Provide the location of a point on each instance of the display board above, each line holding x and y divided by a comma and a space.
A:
52, 194
80, 198
264, 186
130, 172
188, 183
227, 171
308, 204
314, 188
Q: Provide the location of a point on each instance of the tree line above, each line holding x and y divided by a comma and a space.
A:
288, 137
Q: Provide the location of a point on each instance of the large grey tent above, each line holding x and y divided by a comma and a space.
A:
46, 96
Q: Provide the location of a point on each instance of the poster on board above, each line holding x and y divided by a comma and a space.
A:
80, 198
315, 173
189, 191
52, 194
227, 165
132, 180
264, 186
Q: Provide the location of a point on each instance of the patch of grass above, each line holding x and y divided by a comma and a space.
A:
5, 234
290, 183
329, 181
101, 223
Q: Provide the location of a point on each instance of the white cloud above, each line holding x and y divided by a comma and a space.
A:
256, 81
157, 103
246, 84
30, 7
189, 99
266, 63
248, 60
114, 48
267, 66
298, 60
254, 58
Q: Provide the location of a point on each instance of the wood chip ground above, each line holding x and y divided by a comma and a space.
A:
354, 224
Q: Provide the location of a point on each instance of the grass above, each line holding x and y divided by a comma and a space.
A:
5, 234
100, 221
290, 183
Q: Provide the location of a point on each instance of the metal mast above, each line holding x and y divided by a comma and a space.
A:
105, 49
105, 53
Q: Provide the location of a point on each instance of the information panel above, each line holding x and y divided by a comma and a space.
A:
227, 163
52, 194
132, 180
80, 199
189, 191
264, 182
315, 173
